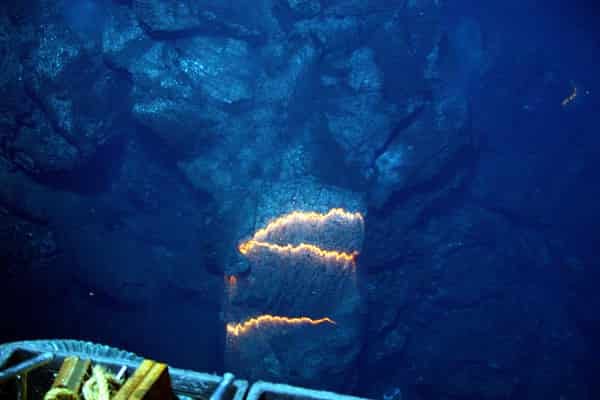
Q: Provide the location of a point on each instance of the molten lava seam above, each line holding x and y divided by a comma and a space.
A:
258, 240
242, 328
304, 217
328, 255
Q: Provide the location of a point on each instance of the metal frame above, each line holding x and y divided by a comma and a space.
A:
272, 390
186, 381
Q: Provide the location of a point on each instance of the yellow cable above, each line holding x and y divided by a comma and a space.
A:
100, 375
61, 394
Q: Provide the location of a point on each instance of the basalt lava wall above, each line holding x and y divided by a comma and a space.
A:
296, 315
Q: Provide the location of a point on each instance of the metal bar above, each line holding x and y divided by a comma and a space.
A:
22, 386
26, 366
275, 390
223, 385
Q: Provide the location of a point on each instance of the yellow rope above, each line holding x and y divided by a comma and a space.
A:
61, 394
98, 386
101, 382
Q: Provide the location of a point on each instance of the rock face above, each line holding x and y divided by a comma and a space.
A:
174, 87
476, 272
147, 146
302, 259
76, 101
210, 17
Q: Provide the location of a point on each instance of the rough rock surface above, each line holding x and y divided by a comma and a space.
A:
467, 281
297, 283
170, 18
72, 104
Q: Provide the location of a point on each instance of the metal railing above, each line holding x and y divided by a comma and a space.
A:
187, 384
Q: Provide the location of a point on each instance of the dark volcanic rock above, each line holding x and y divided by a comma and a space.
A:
304, 8
180, 88
76, 101
334, 33
358, 118
171, 18
435, 140
470, 303
123, 39
299, 283
107, 257
251, 141
38, 148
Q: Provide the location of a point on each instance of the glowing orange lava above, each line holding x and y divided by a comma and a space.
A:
305, 217
302, 248
231, 280
252, 323
302, 217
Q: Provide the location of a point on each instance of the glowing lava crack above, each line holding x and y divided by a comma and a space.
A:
272, 320
260, 238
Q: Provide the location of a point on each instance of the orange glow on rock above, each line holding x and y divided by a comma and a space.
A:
232, 280
302, 248
303, 217
261, 237
272, 320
